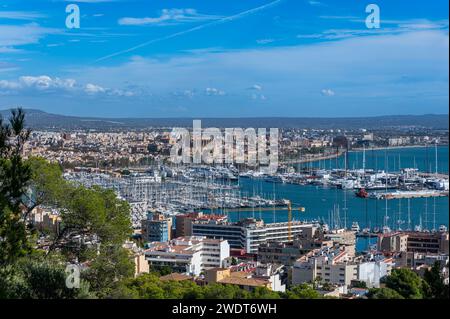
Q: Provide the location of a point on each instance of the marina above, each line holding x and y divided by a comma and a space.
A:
331, 196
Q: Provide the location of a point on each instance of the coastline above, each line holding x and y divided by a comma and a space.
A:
355, 150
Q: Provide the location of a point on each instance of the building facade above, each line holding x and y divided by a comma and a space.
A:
189, 255
156, 228
249, 233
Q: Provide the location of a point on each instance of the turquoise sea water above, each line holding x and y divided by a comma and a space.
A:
423, 158
321, 201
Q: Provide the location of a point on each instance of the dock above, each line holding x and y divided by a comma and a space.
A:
410, 194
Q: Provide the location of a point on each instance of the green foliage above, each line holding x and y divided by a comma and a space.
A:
437, 288
112, 265
219, 291
93, 214
303, 291
149, 286
360, 284
161, 271
39, 279
265, 293
48, 186
384, 293
406, 282
14, 178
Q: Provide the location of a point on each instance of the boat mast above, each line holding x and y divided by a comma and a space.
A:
434, 214
409, 213
436, 156
386, 187
364, 159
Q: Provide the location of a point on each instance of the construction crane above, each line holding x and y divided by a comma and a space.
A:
288, 207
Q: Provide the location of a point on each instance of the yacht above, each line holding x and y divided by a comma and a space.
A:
355, 227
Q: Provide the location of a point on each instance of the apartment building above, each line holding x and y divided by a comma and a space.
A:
409, 241
189, 255
156, 228
394, 242
267, 276
249, 233
287, 253
183, 222
329, 265
219, 229
336, 265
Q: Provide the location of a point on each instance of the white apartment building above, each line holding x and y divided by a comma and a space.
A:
337, 266
371, 272
248, 234
257, 234
331, 265
189, 255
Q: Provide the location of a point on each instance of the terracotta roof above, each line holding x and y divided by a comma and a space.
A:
242, 281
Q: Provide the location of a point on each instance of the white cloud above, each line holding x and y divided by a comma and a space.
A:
328, 92
214, 91
47, 84
360, 69
315, 3
7, 85
169, 16
21, 15
256, 96
394, 27
256, 87
16, 35
93, 89
9, 50
265, 41
215, 22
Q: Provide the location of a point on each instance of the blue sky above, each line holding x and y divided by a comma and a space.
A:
233, 58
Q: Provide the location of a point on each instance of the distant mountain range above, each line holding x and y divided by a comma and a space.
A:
37, 119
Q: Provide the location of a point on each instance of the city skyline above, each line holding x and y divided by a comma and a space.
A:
255, 58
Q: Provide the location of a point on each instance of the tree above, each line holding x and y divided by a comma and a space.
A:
265, 293
406, 282
39, 279
220, 291
95, 224
93, 214
47, 184
303, 291
14, 178
145, 286
383, 293
359, 284
107, 270
437, 288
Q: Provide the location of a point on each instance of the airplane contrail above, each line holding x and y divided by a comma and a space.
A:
173, 35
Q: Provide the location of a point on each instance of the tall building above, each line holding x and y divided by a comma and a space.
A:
183, 222
157, 228
189, 255
247, 234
